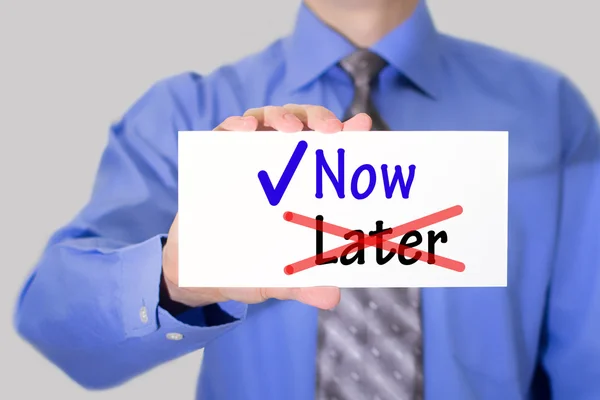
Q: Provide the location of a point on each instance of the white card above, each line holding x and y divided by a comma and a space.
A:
272, 209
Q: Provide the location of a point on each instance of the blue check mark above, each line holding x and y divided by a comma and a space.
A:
274, 194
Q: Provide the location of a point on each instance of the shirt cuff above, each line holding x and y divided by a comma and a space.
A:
141, 271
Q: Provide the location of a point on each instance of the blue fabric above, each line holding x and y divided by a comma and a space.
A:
80, 307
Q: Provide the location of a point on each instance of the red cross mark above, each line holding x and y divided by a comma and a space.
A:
375, 241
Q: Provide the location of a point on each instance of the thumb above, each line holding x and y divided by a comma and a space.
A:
320, 297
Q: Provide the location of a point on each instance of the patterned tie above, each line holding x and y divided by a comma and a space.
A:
370, 344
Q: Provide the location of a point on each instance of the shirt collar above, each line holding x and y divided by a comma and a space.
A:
413, 48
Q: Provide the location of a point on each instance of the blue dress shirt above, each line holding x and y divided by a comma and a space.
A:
91, 304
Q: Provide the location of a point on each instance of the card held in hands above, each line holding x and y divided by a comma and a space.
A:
351, 209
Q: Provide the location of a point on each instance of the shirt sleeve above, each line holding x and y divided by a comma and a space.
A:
571, 355
91, 305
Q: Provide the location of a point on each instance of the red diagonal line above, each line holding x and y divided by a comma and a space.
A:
370, 241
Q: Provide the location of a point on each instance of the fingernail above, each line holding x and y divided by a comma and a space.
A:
290, 117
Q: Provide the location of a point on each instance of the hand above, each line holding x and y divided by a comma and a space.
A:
289, 118
294, 118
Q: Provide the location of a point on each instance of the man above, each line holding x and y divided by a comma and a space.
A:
104, 306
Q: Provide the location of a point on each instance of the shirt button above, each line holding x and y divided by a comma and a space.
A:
144, 315
174, 336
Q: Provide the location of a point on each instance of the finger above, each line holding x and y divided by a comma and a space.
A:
315, 118
243, 124
299, 111
320, 297
322, 120
275, 118
282, 120
360, 122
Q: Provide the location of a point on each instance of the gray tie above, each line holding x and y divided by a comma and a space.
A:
370, 344
363, 67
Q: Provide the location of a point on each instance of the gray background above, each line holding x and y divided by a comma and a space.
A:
69, 68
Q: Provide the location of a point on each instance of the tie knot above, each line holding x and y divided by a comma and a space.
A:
363, 65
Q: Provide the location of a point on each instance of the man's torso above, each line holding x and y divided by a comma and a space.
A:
478, 342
